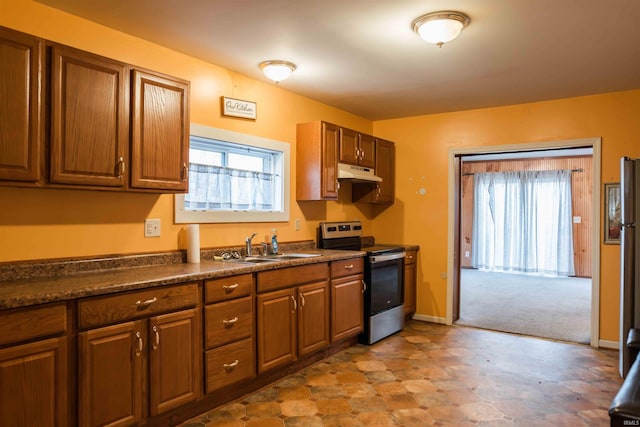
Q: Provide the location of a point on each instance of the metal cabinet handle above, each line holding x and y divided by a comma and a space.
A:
338, 184
295, 303
232, 365
229, 288
409, 256
185, 172
362, 154
364, 286
230, 321
121, 167
349, 266
301, 301
156, 338
144, 304
140, 344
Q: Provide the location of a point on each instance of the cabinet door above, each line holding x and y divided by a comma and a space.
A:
160, 132
410, 280
33, 384
329, 181
89, 119
367, 151
385, 168
349, 146
313, 317
111, 366
174, 355
276, 329
347, 307
21, 59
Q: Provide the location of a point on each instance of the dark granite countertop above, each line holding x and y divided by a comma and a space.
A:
39, 290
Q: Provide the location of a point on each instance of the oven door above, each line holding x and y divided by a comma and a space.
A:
385, 279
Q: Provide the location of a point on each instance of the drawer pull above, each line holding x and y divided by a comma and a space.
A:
229, 366
140, 344
145, 304
349, 266
229, 288
156, 338
230, 321
410, 257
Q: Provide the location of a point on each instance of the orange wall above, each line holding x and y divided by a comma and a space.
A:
37, 223
422, 150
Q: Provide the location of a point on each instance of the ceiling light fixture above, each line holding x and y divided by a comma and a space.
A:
277, 70
440, 27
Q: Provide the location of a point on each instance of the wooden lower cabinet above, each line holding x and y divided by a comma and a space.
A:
33, 384
291, 323
347, 298
410, 283
115, 388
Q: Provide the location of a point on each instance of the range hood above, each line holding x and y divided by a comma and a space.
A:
357, 173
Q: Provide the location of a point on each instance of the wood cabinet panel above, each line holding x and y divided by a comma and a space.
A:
347, 307
160, 132
131, 305
228, 321
313, 317
292, 276
227, 288
111, 375
32, 322
89, 119
21, 107
229, 364
410, 282
33, 384
347, 267
276, 319
368, 154
174, 360
349, 146
380, 192
317, 161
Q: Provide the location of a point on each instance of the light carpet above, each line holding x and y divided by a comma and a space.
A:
548, 307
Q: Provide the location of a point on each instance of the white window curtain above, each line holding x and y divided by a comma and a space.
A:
522, 222
221, 188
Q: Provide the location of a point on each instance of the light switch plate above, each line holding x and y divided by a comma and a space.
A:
151, 228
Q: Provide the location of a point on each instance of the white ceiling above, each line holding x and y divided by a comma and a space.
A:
363, 57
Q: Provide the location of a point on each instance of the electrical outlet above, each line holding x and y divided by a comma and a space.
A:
466, 254
297, 224
151, 228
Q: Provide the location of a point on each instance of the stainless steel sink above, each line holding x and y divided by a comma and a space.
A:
272, 258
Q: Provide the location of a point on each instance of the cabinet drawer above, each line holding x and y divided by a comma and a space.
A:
347, 267
131, 305
229, 364
228, 321
411, 257
227, 288
33, 322
292, 276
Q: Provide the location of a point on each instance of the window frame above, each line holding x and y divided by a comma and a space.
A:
184, 216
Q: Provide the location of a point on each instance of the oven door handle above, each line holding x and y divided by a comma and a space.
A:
381, 258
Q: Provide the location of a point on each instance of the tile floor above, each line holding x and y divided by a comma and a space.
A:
438, 375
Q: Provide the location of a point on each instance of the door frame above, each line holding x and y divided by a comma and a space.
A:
453, 206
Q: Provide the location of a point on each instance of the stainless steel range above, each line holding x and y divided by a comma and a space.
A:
383, 275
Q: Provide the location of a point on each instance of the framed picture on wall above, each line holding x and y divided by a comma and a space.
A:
612, 214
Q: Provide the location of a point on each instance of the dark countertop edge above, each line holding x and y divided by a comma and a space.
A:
29, 292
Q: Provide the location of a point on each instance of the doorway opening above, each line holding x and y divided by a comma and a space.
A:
520, 282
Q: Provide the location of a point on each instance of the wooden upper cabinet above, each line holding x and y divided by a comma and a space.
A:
317, 161
382, 192
160, 132
357, 148
21, 116
89, 119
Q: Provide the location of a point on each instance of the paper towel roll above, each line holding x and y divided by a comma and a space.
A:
193, 243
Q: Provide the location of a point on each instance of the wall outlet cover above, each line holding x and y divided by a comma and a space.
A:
151, 228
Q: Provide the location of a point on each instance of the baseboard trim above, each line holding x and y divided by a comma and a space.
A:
608, 344
432, 319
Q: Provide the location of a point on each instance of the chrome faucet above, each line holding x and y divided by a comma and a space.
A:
247, 241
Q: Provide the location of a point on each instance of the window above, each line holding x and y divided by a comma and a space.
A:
234, 177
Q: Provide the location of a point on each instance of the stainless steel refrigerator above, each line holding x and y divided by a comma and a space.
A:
629, 256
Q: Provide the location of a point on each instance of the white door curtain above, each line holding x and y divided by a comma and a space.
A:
522, 222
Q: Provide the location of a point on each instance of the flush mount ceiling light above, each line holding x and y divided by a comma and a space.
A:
277, 70
440, 27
